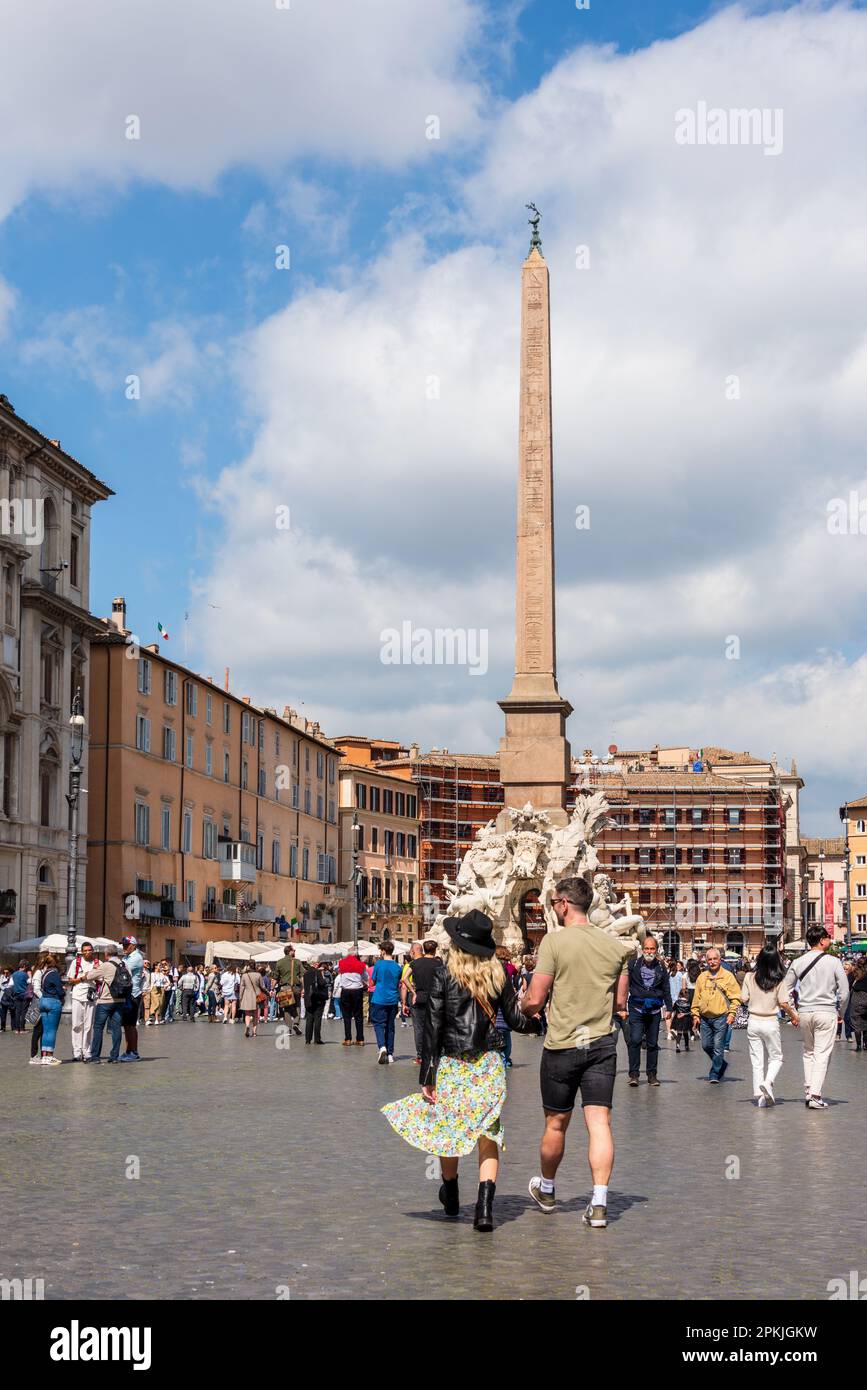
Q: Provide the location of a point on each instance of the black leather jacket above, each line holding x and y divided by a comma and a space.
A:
455, 1023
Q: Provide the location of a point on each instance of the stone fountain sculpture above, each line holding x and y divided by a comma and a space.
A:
502, 866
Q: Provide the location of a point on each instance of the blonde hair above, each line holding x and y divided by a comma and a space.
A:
484, 979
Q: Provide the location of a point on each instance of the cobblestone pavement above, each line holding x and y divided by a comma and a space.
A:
267, 1171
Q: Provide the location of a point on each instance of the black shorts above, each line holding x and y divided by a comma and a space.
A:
129, 1011
592, 1068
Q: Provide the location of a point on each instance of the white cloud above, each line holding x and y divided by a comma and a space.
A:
218, 83
708, 514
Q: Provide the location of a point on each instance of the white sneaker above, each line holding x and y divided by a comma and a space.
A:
382, 1059
390, 1060
767, 1091
51, 1062
148, 1023
36, 1061
817, 1103
762, 1102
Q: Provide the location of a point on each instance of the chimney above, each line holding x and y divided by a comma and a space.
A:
118, 613
226, 678
588, 754
55, 442
288, 712
413, 750
246, 699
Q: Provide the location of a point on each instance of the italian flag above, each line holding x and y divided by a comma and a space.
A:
162, 632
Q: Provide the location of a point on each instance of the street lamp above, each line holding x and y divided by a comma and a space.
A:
76, 728
355, 829
821, 888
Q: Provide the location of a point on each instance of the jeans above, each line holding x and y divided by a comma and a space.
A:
621, 1025
313, 1020
382, 1017
49, 1011
643, 1025
713, 1040
212, 1003
507, 1045
352, 1006
111, 1014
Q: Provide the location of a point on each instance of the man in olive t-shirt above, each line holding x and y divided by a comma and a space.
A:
287, 973
583, 969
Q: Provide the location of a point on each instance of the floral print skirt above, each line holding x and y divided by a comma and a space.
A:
470, 1092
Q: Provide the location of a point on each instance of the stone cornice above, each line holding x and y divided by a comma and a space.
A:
59, 609
53, 459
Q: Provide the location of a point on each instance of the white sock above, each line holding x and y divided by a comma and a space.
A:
600, 1195
547, 1184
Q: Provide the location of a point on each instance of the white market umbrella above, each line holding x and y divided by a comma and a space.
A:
57, 942
228, 950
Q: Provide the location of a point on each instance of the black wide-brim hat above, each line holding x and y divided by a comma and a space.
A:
473, 933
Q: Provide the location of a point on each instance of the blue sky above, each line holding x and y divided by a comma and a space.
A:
159, 259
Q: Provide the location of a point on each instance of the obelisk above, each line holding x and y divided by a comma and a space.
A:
535, 759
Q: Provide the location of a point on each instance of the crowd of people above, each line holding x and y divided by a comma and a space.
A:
582, 989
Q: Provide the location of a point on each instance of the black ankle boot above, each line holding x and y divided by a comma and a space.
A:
448, 1195
485, 1207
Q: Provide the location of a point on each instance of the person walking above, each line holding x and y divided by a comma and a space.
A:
823, 993
425, 964
714, 1003
462, 1075
155, 995
764, 993
189, 987
677, 974
384, 1001
353, 986
858, 1005
287, 973
315, 988
681, 1021
229, 990
584, 970
17, 996
248, 998
649, 1002
83, 1002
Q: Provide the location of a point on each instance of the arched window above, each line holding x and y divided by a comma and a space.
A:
48, 554
49, 773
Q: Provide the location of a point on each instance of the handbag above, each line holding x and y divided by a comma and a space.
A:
286, 997
742, 1016
32, 1016
494, 1039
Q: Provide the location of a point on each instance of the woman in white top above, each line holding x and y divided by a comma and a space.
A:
228, 985
763, 993
36, 1034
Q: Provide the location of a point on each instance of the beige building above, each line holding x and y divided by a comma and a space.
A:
854, 817
824, 883
210, 818
387, 809
46, 498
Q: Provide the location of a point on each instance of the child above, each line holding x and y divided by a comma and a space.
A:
681, 1021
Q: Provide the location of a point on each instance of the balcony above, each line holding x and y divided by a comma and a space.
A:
237, 861
150, 907
238, 913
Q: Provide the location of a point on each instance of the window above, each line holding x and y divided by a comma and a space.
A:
388, 802
861, 826
275, 856
260, 850
400, 803
142, 734
361, 796
191, 895
669, 817
244, 774
10, 749
144, 676
734, 818
261, 781
861, 921
646, 858
169, 744
699, 859
46, 794
331, 764
192, 698
306, 758
644, 897
209, 708
295, 753
410, 892
861, 858
276, 743
74, 577
227, 717
734, 858
411, 846
295, 795
699, 816
209, 838
305, 863
227, 767
307, 800
245, 727
412, 803
332, 813
170, 687
644, 816
190, 750
374, 798
374, 839
142, 823
321, 868
320, 807
166, 832
389, 845
401, 843
620, 861
293, 860
188, 832
861, 890
209, 758
320, 764
261, 736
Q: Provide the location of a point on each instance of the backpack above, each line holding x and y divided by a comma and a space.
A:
121, 985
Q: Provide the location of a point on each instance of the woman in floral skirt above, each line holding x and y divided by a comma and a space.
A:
463, 1075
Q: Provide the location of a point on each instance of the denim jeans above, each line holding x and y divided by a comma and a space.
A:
382, 1017
49, 1011
713, 1040
111, 1014
643, 1025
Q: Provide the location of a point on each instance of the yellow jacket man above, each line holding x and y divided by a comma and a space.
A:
717, 995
